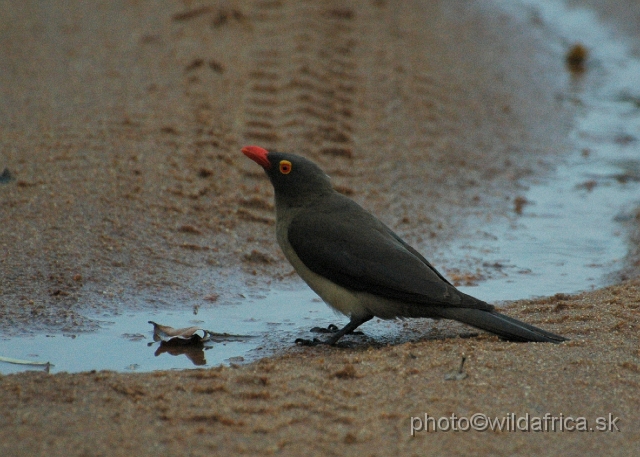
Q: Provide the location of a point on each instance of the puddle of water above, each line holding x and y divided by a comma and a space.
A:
567, 238
125, 343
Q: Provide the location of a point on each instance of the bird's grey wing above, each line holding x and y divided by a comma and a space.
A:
355, 250
418, 255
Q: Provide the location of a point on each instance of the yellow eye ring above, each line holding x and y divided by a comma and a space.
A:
285, 167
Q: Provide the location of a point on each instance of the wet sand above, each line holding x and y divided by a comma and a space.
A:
121, 127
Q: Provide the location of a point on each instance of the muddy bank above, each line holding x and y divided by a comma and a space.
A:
337, 401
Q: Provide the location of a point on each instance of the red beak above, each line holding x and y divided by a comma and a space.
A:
258, 155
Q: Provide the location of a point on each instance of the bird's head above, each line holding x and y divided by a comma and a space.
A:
296, 180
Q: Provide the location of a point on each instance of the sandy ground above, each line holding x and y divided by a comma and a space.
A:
121, 124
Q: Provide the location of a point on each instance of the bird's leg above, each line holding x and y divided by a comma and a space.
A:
353, 324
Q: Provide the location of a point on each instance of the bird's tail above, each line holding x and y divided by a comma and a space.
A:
501, 325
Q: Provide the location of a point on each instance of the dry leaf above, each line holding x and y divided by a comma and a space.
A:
186, 335
190, 335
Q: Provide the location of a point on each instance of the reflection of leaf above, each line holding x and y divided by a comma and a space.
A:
193, 351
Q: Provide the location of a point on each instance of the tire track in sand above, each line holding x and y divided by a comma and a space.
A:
299, 94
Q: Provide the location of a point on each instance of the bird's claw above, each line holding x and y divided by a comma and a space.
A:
305, 342
332, 328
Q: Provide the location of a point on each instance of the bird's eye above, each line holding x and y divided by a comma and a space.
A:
285, 167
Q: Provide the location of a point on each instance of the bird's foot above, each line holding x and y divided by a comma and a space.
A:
331, 328
336, 333
305, 342
317, 341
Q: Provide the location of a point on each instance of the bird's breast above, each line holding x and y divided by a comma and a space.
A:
339, 298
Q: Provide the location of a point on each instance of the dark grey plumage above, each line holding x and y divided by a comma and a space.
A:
361, 267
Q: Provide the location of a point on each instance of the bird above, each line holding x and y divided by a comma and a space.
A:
358, 265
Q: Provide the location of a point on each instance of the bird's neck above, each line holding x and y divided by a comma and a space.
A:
304, 200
